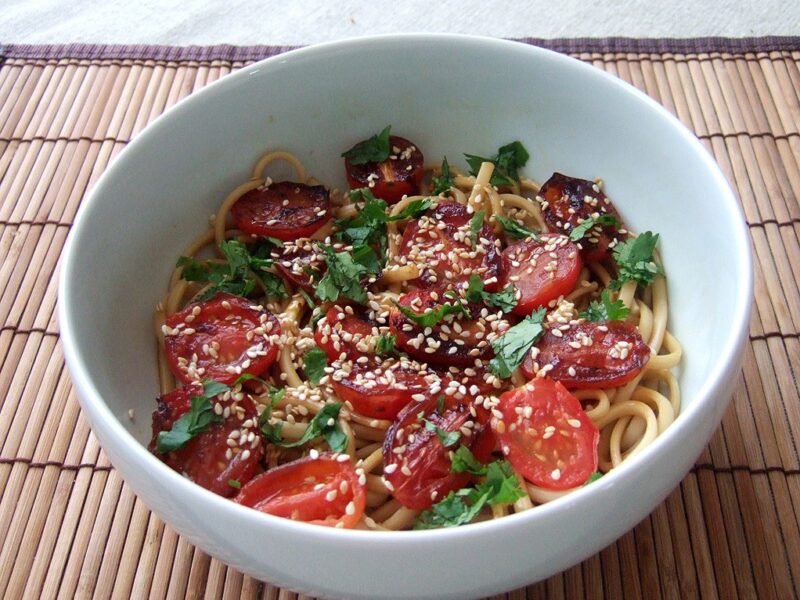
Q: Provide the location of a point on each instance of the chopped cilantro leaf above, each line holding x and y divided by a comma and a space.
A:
448, 438
606, 310
343, 277
374, 149
511, 347
515, 230
432, 316
475, 226
444, 182
508, 160
325, 423
465, 462
270, 431
238, 275
385, 346
593, 477
369, 225
635, 261
440, 404
505, 299
234, 484
196, 420
579, 232
462, 506
314, 363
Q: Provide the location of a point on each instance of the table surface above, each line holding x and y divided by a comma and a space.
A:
245, 22
70, 527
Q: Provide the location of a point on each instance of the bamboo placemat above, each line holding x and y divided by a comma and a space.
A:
69, 527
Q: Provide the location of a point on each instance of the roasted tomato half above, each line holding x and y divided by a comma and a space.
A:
285, 210
301, 262
583, 355
541, 271
416, 451
398, 175
545, 434
441, 244
569, 201
323, 490
220, 339
223, 455
459, 339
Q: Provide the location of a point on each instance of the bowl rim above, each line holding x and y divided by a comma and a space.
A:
93, 402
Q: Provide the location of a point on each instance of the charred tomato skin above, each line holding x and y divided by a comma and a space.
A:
230, 322
439, 244
285, 210
391, 179
616, 354
569, 201
203, 458
541, 271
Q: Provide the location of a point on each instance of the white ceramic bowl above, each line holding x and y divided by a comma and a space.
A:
451, 94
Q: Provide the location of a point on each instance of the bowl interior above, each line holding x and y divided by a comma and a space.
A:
450, 95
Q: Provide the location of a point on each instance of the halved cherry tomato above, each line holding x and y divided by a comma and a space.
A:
569, 202
545, 434
471, 381
207, 458
347, 331
541, 271
322, 490
285, 210
415, 462
220, 339
457, 340
380, 391
302, 262
589, 354
439, 243
397, 176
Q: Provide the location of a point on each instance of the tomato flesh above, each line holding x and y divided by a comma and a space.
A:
397, 176
285, 210
321, 490
439, 243
205, 459
541, 271
381, 391
569, 202
458, 340
301, 262
545, 434
220, 339
416, 464
610, 354
347, 332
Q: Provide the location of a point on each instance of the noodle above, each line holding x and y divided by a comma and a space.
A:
629, 417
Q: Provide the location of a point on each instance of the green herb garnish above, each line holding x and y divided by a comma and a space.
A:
196, 420
505, 300
579, 232
343, 277
635, 261
606, 310
475, 226
511, 347
374, 149
386, 345
460, 507
508, 160
593, 477
444, 182
239, 274
515, 230
325, 423
314, 363
432, 316
448, 438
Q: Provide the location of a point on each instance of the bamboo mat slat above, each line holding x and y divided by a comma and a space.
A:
70, 527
